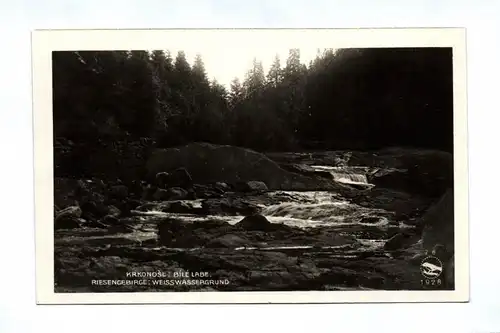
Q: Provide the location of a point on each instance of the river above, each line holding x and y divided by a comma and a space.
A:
324, 227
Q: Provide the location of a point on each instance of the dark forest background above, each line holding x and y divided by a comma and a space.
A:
343, 99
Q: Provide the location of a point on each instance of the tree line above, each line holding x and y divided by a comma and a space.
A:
342, 99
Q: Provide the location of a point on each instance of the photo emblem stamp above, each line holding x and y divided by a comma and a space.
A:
250, 165
431, 267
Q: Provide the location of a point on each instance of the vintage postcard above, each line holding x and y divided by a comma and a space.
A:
251, 166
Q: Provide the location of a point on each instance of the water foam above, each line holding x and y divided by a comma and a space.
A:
349, 175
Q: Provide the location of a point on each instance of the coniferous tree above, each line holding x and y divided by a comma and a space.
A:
181, 64
295, 75
236, 93
254, 78
199, 69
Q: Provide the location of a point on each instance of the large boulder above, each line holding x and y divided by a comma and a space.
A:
434, 231
437, 238
209, 163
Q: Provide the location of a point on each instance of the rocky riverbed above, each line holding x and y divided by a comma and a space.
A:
224, 218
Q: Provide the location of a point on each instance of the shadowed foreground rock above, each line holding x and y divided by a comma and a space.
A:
439, 223
436, 228
436, 236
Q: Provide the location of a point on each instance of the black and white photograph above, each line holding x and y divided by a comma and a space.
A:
243, 162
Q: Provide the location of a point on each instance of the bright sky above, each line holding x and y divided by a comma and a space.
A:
225, 65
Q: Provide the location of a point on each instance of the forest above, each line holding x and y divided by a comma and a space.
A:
344, 99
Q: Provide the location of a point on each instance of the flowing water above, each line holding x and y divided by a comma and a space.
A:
348, 175
329, 232
317, 209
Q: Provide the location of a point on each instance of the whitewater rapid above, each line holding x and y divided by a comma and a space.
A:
307, 209
302, 209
